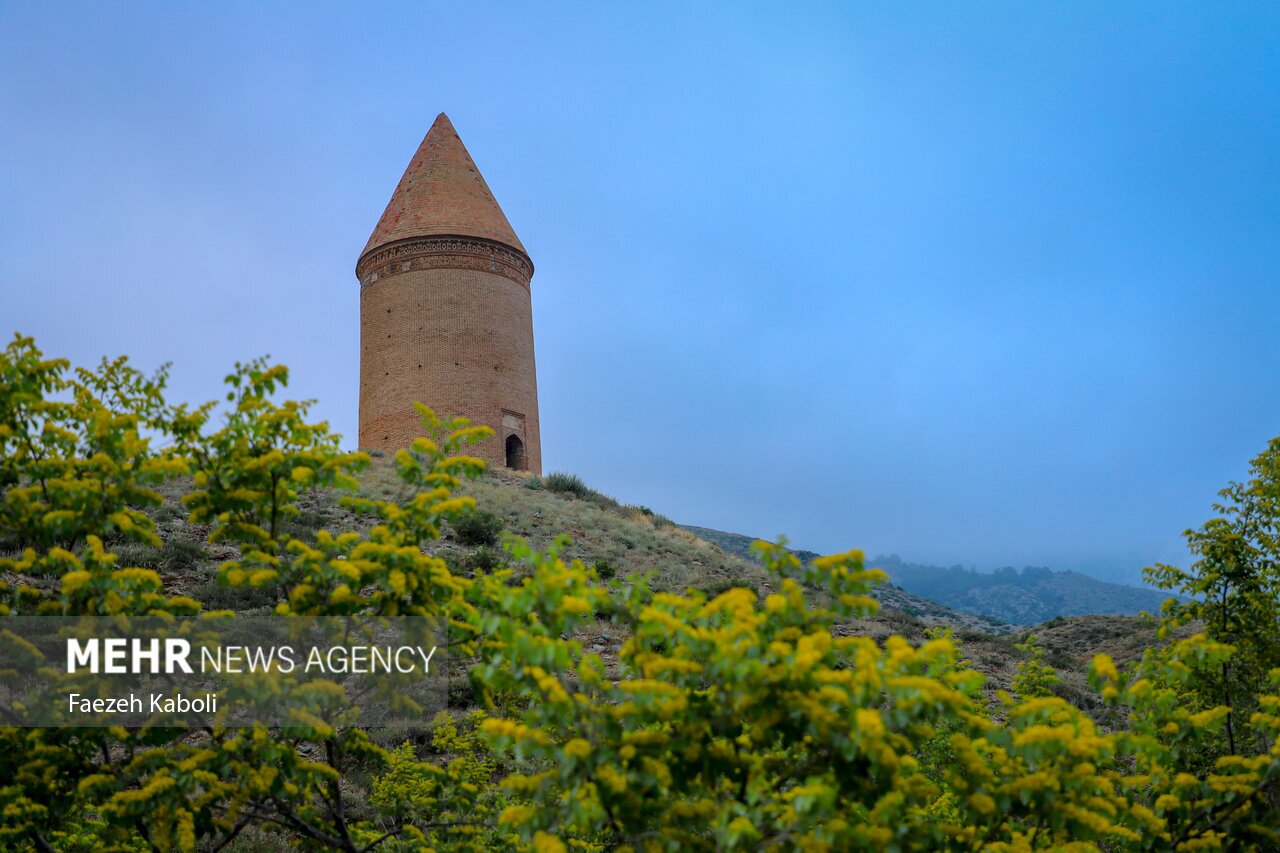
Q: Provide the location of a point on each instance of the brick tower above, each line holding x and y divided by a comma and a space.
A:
445, 313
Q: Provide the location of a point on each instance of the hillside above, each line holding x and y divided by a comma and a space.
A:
623, 541
738, 544
619, 540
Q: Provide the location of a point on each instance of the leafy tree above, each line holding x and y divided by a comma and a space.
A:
1034, 678
1233, 590
76, 458
248, 473
78, 471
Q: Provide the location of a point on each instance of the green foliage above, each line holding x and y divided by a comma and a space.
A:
728, 721
414, 793
249, 472
1233, 591
173, 555
1035, 678
484, 559
714, 586
75, 459
735, 722
78, 471
566, 484
478, 527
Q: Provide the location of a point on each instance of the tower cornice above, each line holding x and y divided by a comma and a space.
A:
444, 251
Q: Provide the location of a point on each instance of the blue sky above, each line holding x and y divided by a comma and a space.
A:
988, 284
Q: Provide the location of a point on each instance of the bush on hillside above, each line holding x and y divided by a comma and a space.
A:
566, 484
175, 555
484, 559
478, 528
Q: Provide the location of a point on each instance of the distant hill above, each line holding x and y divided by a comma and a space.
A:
1011, 596
1025, 597
892, 598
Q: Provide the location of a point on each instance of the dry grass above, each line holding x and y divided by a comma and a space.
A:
602, 530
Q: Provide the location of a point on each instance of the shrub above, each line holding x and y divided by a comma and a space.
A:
174, 555
1035, 678
478, 527
608, 609
484, 559
305, 526
219, 596
566, 484
170, 512
603, 501
462, 693
714, 586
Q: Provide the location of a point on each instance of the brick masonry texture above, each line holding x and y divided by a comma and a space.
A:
446, 319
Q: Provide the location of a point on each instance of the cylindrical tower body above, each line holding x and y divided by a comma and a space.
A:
445, 311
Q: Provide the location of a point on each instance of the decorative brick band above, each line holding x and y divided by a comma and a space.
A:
444, 252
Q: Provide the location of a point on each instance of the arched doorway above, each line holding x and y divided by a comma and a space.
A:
515, 453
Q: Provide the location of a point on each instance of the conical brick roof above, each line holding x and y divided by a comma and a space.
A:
442, 192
